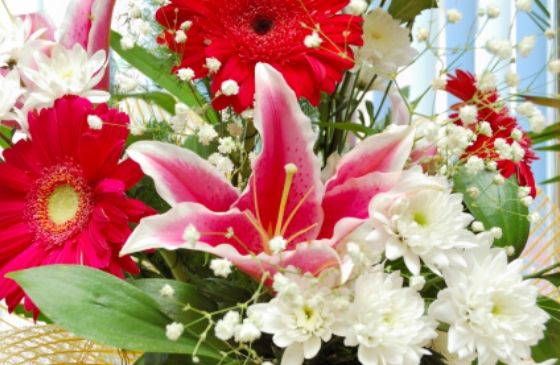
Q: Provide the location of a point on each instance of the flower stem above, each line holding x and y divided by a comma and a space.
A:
540, 274
171, 259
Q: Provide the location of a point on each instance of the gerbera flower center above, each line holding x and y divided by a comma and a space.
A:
60, 203
262, 25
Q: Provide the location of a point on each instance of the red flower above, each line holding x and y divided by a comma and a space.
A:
491, 110
62, 195
241, 33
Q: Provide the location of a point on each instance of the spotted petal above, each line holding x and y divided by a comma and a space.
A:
287, 138
182, 176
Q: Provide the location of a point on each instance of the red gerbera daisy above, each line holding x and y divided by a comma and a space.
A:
62, 194
241, 33
491, 110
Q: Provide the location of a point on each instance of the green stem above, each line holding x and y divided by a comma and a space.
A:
539, 274
171, 259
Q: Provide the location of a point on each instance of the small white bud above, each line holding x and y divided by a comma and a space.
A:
191, 235
174, 330
313, 40
496, 232
499, 179
277, 244
477, 226
230, 87
94, 122
180, 37
185, 74
186, 25
221, 267
454, 16
167, 291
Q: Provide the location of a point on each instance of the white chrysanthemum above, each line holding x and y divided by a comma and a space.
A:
421, 220
386, 43
439, 345
10, 91
300, 317
67, 71
386, 321
491, 310
17, 43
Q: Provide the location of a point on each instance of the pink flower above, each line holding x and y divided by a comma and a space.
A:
63, 194
284, 196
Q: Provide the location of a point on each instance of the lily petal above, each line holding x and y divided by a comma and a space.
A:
351, 198
382, 152
88, 23
182, 176
287, 138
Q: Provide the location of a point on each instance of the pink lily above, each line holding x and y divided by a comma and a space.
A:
284, 196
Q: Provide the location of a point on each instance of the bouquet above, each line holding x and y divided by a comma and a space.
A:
285, 201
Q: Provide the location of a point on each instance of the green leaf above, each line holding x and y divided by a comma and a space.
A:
407, 10
101, 307
543, 100
496, 206
551, 180
150, 65
347, 126
6, 135
549, 347
164, 100
554, 279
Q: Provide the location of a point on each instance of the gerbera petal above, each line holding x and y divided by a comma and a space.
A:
382, 152
182, 176
287, 138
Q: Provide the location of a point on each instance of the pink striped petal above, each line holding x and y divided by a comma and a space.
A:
166, 230
181, 175
88, 23
351, 198
382, 152
287, 138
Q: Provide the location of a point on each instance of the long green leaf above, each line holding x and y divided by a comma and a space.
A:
6, 135
407, 10
150, 65
549, 347
496, 206
98, 306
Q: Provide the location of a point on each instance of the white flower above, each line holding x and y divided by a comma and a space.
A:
356, 7
206, 134
526, 45
226, 145
468, 114
474, 165
174, 330
517, 152
225, 327
299, 317
439, 345
417, 282
10, 91
421, 219
248, 330
422, 35
477, 226
222, 163
180, 36
386, 321
491, 310
230, 87
386, 44
186, 25
17, 43
213, 64
511, 78
516, 134
191, 235
487, 81
454, 16
503, 148
185, 74
524, 5
439, 83
278, 244
94, 122
501, 48
167, 291
526, 109
492, 11
550, 33
485, 129
67, 71
127, 42
499, 179
537, 122
313, 40
454, 139
496, 232
554, 66
221, 267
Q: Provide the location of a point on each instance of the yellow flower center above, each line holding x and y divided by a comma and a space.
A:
63, 204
